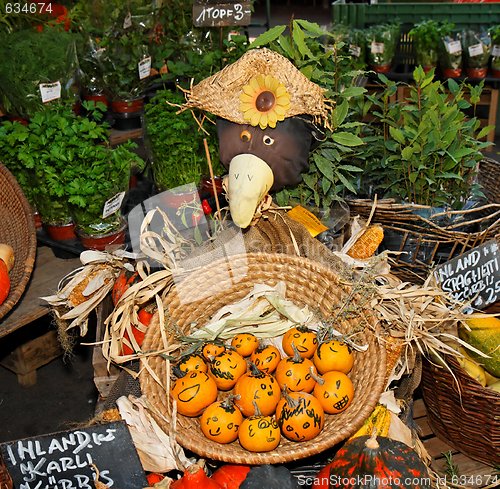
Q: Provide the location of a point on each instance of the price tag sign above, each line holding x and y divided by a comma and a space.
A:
454, 47
112, 205
144, 67
377, 47
472, 277
476, 50
50, 91
496, 50
210, 13
354, 50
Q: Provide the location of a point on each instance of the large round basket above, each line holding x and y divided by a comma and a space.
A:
462, 412
228, 281
17, 228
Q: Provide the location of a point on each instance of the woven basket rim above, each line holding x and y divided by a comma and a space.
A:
11, 188
370, 369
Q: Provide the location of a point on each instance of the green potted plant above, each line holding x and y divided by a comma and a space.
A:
495, 51
36, 68
477, 49
429, 149
381, 44
175, 142
426, 37
450, 51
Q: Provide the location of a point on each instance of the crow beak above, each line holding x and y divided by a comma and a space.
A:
250, 179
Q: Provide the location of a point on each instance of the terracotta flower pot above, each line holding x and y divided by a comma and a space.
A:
60, 232
38, 220
477, 72
115, 239
381, 68
451, 72
97, 98
127, 106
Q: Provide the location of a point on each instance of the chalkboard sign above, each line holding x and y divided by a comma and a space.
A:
207, 13
473, 277
65, 460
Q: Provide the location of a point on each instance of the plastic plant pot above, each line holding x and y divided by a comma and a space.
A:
101, 242
60, 232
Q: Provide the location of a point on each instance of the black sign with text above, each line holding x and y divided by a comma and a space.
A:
67, 460
207, 13
472, 277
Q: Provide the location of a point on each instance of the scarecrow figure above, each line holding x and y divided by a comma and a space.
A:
268, 114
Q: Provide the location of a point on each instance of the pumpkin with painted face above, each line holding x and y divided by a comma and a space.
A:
193, 393
212, 349
266, 358
257, 388
226, 368
335, 392
303, 338
333, 355
296, 373
192, 362
245, 343
300, 416
221, 421
259, 433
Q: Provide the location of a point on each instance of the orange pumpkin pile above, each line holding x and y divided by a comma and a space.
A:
246, 391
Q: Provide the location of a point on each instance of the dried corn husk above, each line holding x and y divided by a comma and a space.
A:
157, 451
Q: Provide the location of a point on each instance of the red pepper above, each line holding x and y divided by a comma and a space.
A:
144, 318
207, 209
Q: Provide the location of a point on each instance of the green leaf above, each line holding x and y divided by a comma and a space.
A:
347, 139
397, 134
268, 36
407, 153
346, 183
300, 41
340, 113
353, 92
324, 166
311, 27
485, 131
350, 168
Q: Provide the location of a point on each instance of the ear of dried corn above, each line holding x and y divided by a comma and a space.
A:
366, 245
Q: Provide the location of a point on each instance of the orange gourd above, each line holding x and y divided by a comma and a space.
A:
231, 476
226, 368
296, 373
221, 421
4, 282
245, 343
300, 416
212, 349
123, 282
189, 363
333, 355
193, 393
304, 339
266, 358
257, 388
259, 433
194, 477
335, 392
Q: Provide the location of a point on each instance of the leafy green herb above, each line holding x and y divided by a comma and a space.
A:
426, 37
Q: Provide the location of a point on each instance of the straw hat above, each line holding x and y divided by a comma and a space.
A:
220, 93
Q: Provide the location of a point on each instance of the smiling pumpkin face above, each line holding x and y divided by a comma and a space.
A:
259, 433
226, 368
221, 421
193, 393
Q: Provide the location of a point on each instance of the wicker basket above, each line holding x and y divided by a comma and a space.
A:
467, 420
427, 237
307, 283
17, 228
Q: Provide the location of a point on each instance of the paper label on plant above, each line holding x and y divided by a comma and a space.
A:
476, 50
50, 91
377, 47
496, 50
308, 219
144, 67
354, 50
127, 22
112, 205
454, 47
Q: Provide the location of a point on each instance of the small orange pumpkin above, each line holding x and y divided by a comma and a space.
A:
296, 373
190, 363
333, 355
300, 416
226, 368
335, 391
259, 433
266, 358
221, 421
245, 343
257, 388
193, 393
212, 349
304, 339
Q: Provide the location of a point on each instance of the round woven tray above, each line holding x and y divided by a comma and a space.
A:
17, 228
467, 420
307, 283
